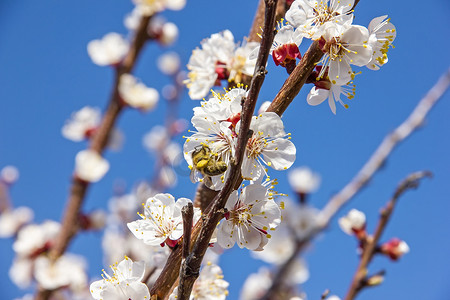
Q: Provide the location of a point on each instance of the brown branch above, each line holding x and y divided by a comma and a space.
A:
186, 274
412, 123
372, 165
188, 214
214, 212
79, 188
297, 79
360, 277
258, 21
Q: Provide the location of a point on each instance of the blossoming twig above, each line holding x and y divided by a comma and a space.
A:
99, 141
414, 120
359, 280
204, 229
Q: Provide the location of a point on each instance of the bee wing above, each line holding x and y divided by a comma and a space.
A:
195, 175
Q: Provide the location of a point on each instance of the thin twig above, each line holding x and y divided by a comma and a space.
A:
186, 273
411, 182
79, 187
368, 170
412, 123
296, 79
214, 212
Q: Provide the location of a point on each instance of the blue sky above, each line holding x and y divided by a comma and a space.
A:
47, 74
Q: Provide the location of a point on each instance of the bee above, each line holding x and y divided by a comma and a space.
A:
207, 163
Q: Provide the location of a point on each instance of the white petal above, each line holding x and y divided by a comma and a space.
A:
317, 96
280, 154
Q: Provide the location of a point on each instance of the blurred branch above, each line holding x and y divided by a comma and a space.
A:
99, 140
413, 122
368, 170
360, 278
214, 212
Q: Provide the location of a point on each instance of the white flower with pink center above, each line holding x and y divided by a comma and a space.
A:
269, 145
162, 221
124, 283
249, 218
353, 222
82, 124
284, 49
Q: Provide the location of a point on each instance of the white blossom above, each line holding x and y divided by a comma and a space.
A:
162, 220
302, 219
32, 239
382, 34
210, 285
332, 92
110, 50
250, 217
150, 7
67, 270
269, 145
223, 107
346, 45
241, 63
156, 139
90, 166
311, 16
9, 175
124, 283
116, 244
21, 271
169, 34
219, 138
395, 248
136, 94
11, 220
279, 248
285, 45
256, 285
131, 20
303, 180
202, 74
212, 63
354, 220
297, 272
81, 123
169, 63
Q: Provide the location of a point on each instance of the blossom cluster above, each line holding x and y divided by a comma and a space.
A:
220, 58
343, 44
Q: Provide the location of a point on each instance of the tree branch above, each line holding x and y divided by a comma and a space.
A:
214, 213
296, 79
411, 182
186, 274
412, 123
79, 188
368, 170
